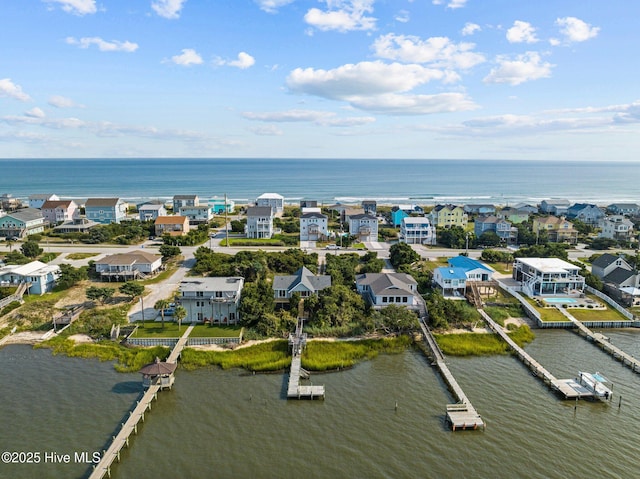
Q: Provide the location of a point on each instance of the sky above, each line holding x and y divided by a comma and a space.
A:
468, 79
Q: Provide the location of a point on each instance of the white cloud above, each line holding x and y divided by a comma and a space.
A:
440, 51
243, 62
323, 118
168, 8
576, 30
394, 104
342, 15
365, 78
11, 90
470, 28
77, 7
35, 113
453, 4
522, 32
266, 130
187, 58
103, 45
58, 101
526, 67
272, 6
403, 16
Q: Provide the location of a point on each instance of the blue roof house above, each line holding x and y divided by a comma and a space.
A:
475, 270
452, 281
396, 217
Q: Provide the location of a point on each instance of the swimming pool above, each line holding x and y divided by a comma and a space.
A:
560, 300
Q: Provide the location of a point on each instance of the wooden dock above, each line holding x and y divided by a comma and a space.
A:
295, 390
567, 388
135, 416
461, 415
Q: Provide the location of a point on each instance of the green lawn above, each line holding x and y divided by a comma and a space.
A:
609, 314
153, 329
81, 255
548, 314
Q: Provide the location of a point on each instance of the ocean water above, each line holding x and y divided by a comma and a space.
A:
425, 182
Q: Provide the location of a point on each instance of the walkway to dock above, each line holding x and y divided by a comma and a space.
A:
461, 415
131, 425
568, 388
295, 390
602, 341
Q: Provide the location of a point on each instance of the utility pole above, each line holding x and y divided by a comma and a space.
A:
226, 220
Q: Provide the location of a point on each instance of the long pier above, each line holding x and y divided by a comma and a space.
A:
295, 390
568, 388
461, 415
602, 341
131, 425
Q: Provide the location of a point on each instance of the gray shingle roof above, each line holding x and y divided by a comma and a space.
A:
302, 276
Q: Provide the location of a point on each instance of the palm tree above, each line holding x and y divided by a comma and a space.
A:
179, 313
162, 304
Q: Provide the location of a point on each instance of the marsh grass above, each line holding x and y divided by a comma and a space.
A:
480, 344
268, 356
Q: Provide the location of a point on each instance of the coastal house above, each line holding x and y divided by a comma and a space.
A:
547, 276
397, 215
105, 210
173, 225
59, 211
211, 299
197, 214
180, 201
302, 281
417, 230
151, 211
272, 200
382, 289
36, 201
313, 227
628, 209
501, 227
22, 223
514, 215
308, 204
364, 227
558, 230
370, 207
612, 269
479, 209
555, 207
78, 225
39, 277
616, 227
587, 213
446, 216
128, 266
9, 203
259, 222
219, 206
529, 208
454, 278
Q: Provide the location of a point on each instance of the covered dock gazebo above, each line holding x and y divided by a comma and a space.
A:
158, 373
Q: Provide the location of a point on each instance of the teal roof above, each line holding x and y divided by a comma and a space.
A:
467, 263
452, 273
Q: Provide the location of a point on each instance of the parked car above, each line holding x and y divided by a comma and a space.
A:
332, 246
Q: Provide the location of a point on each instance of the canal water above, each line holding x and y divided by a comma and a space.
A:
227, 424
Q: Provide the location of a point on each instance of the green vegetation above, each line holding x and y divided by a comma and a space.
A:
500, 313
547, 314
444, 313
267, 356
76, 256
154, 329
585, 314
480, 344
401, 254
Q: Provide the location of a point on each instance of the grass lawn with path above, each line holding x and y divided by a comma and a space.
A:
154, 329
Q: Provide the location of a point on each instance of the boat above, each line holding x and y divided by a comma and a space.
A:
599, 386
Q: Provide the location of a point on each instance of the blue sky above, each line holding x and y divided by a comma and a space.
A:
486, 79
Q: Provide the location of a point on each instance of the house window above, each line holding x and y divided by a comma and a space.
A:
404, 300
218, 294
199, 294
384, 299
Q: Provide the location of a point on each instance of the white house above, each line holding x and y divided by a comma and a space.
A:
151, 211
383, 289
313, 227
547, 276
616, 227
454, 278
127, 266
40, 276
211, 299
273, 200
197, 214
364, 227
417, 230
36, 201
259, 222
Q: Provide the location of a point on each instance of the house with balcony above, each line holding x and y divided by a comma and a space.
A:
383, 289
364, 227
555, 207
22, 223
9, 203
480, 209
302, 281
128, 266
197, 214
36, 201
587, 213
38, 277
219, 206
628, 209
180, 201
59, 211
151, 211
417, 230
454, 278
272, 200
259, 222
211, 300
105, 210
513, 215
78, 225
370, 207
616, 227
547, 277
173, 225
314, 227
446, 216
559, 230
501, 227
